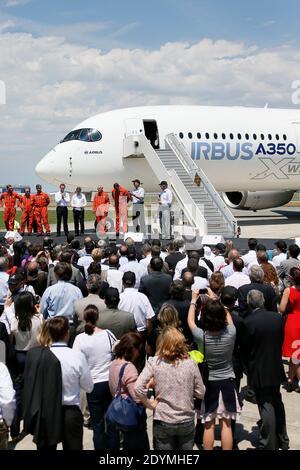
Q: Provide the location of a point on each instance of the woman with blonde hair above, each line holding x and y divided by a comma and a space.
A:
177, 382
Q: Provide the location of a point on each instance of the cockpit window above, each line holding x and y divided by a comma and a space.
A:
85, 135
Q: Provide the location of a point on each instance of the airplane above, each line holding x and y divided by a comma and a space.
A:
251, 155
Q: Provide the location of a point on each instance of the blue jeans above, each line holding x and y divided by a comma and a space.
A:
133, 439
98, 401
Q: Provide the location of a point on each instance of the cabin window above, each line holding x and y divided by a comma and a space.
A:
223, 136
254, 136
231, 136
247, 136
207, 135
262, 136
181, 135
190, 135
198, 135
215, 135
284, 137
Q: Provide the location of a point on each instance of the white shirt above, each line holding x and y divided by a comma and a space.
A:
249, 257
85, 261
145, 261
228, 270
218, 261
7, 396
137, 303
182, 264
200, 283
62, 201
277, 259
138, 269
75, 373
78, 201
166, 197
8, 317
237, 279
138, 192
123, 260
97, 349
114, 279
3, 287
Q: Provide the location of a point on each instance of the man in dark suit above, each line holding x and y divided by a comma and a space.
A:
262, 334
256, 275
156, 285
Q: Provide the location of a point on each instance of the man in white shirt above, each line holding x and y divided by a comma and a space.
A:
281, 255
78, 203
238, 278
114, 276
7, 405
250, 257
133, 266
76, 375
62, 199
218, 261
138, 215
165, 203
87, 258
147, 255
137, 303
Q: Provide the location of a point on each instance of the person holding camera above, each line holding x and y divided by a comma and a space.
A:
62, 199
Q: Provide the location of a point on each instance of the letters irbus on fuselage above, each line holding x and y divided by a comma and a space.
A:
239, 150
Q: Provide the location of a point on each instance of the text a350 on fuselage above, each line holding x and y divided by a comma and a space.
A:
241, 150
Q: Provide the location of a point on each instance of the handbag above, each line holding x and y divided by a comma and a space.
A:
125, 412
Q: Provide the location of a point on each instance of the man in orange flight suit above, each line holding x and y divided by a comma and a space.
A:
121, 197
27, 205
41, 203
9, 199
100, 208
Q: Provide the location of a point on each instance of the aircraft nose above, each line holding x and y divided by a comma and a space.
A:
41, 168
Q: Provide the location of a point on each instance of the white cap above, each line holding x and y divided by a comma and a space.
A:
207, 253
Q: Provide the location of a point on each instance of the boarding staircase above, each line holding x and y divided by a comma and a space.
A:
201, 204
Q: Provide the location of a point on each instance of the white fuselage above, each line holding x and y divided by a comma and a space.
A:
240, 149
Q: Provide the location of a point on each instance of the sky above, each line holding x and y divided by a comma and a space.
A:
62, 61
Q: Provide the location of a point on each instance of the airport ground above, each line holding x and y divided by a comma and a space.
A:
246, 428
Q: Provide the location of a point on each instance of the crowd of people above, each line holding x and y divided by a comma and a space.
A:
169, 329
34, 209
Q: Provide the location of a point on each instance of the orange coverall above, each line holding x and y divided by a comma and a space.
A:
100, 208
121, 198
9, 200
41, 202
27, 205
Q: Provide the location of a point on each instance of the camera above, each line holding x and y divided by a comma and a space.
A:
202, 291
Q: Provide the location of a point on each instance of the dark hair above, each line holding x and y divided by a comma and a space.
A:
194, 254
129, 279
156, 242
294, 251
156, 263
70, 238
63, 271
252, 242
94, 268
66, 256
58, 328
89, 246
261, 247
281, 245
90, 316
217, 282
193, 265
75, 244
20, 249
155, 251
131, 253
123, 250
214, 316
112, 297
24, 310
128, 343
177, 290
295, 275
229, 295
238, 264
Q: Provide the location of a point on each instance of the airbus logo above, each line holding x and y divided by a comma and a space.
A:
238, 150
